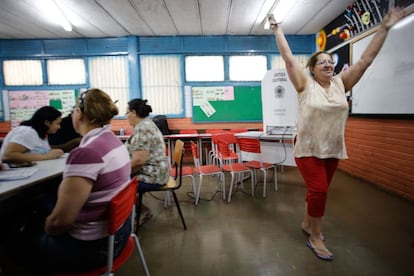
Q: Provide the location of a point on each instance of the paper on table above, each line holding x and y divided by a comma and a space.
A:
20, 173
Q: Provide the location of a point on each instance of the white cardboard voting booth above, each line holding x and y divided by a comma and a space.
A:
279, 102
280, 108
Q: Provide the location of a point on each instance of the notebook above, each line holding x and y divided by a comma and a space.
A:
20, 173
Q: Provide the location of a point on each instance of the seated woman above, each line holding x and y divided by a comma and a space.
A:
75, 237
28, 142
146, 147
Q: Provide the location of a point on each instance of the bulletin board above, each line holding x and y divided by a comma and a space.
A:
227, 104
22, 104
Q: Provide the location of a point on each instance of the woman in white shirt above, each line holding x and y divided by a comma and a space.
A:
28, 142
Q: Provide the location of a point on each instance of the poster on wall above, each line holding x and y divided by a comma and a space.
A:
23, 104
357, 18
202, 96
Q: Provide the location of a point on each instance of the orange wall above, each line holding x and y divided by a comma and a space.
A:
381, 151
186, 123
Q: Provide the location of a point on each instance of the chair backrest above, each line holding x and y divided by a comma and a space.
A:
238, 130
188, 131
250, 150
178, 155
196, 157
178, 151
215, 130
226, 146
122, 205
249, 145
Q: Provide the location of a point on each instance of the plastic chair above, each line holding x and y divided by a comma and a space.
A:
214, 157
187, 171
121, 207
210, 155
204, 170
188, 131
230, 160
239, 130
251, 147
174, 182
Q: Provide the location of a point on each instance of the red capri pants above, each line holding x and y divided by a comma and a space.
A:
317, 174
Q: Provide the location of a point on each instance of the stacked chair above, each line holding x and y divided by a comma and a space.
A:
229, 160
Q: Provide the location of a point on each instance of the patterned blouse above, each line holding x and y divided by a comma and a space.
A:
146, 136
321, 121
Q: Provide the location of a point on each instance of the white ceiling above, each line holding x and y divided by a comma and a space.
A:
116, 18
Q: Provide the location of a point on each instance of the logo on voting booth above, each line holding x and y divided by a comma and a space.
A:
279, 91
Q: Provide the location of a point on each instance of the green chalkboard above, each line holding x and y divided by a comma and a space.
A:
244, 105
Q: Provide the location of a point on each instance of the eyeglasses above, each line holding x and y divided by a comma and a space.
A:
325, 61
82, 100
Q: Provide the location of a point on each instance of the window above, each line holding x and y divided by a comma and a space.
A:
161, 83
247, 68
66, 71
22, 72
204, 68
110, 74
278, 62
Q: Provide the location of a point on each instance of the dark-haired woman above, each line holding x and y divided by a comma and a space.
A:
28, 142
146, 147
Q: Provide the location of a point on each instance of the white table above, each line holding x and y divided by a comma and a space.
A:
48, 169
276, 149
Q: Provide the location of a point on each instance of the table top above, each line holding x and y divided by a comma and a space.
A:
263, 136
47, 169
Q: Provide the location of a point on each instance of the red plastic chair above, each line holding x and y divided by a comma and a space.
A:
215, 130
211, 156
204, 170
239, 130
251, 147
188, 131
230, 160
121, 206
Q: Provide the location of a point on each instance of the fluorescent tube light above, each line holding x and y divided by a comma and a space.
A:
55, 13
282, 9
266, 8
279, 10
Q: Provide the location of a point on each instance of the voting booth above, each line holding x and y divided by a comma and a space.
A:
279, 102
280, 108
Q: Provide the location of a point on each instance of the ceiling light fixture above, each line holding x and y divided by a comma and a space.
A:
55, 13
280, 9
266, 8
